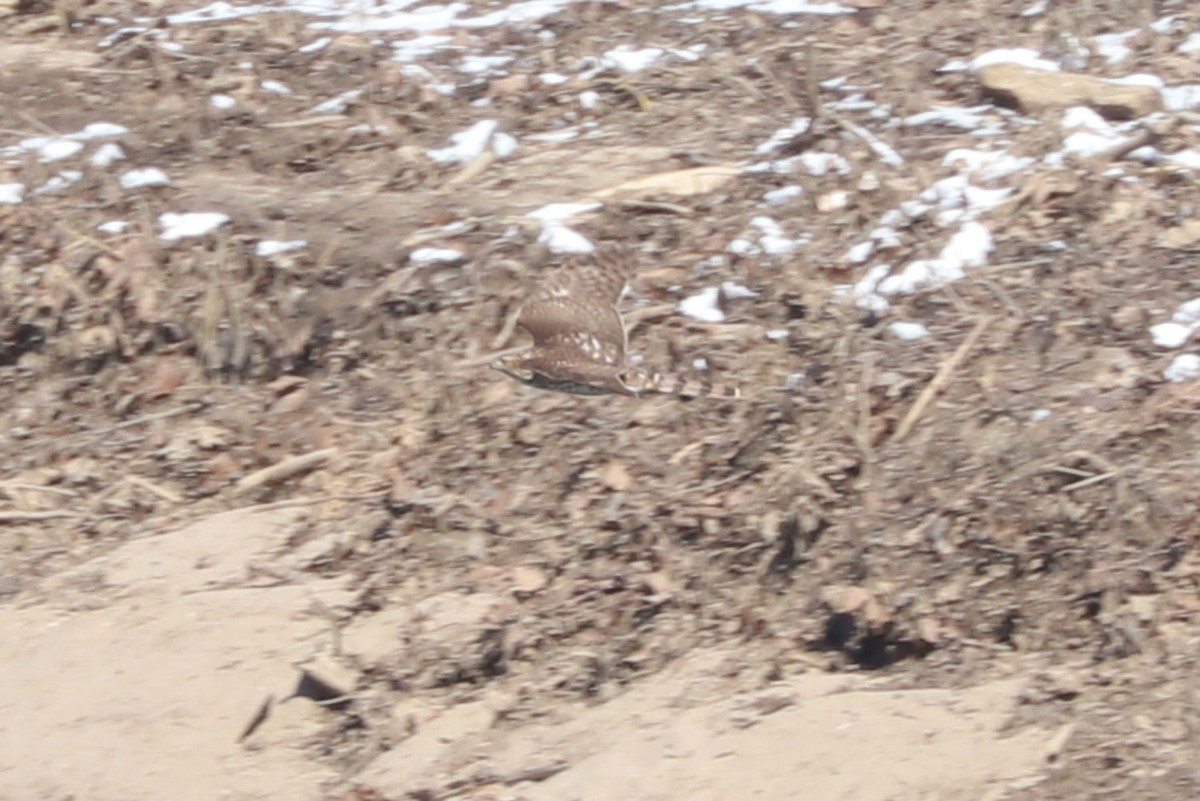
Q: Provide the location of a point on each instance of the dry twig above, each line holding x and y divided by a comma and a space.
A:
886, 153
31, 517
281, 471
940, 379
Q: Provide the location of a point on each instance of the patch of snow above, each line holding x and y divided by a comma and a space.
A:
561, 212
777, 197
1170, 335
481, 65
857, 254
1184, 158
1184, 322
120, 35
784, 135
589, 99
419, 47
796, 381
968, 247
336, 105
515, 13
272, 247
504, 145
772, 6
855, 102
703, 306
99, 130
1013, 55
742, 247
1184, 367
1138, 79
627, 59
968, 119
955, 65
179, 226
466, 145
57, 183
987, 165
417, 71
436, 256
1163, 24
148, 176
1114, 47
734, 290
275, 87
223, 102
11, 194
213, 12
885, 237
107, 153
1181, 98
113, 227
954, 199
773, 240
821, 164
316, 44
57, 150
565, 135
908, 331
560, 238
706, 303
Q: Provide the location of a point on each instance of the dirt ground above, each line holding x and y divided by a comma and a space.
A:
270, 528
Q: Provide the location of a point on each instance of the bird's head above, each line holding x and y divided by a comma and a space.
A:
514, 365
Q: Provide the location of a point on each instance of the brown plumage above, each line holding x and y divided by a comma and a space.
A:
580, 340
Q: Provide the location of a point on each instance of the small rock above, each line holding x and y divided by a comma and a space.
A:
616, 477
508, 86
1130, 318
1031, 90
833, 201
528, 581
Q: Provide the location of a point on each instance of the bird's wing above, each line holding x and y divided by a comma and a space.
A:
581, 298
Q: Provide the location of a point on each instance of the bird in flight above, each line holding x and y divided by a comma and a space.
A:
580, 340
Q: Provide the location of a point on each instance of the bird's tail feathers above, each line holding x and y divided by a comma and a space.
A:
687, 387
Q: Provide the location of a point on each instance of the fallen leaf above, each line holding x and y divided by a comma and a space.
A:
692, 181
166, 377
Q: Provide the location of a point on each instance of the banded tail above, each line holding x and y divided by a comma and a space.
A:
647, 383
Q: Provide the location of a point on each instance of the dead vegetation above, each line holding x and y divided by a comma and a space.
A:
1022, 480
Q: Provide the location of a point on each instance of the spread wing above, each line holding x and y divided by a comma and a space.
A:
602, 274
573, 312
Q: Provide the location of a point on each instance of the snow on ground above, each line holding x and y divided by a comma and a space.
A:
976, 181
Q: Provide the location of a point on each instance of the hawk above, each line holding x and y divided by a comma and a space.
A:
580, 340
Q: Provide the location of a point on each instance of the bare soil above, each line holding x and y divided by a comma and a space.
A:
958, 567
